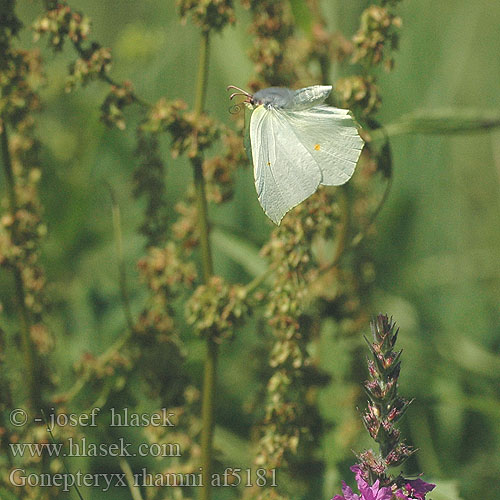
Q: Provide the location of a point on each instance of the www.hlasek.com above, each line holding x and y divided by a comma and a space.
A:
230, 477
84, 448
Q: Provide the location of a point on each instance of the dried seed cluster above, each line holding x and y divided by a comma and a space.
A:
217, 308
208, 15
373, 45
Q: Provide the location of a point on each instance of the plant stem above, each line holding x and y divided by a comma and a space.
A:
199, 181
102, 359
207, 415
323, 58
207, 410
344, 225
117, 228
440, 121
203, 224
27, 346
360, 236
202, 78
135, 491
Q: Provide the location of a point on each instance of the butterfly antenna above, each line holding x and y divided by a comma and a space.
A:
240, 92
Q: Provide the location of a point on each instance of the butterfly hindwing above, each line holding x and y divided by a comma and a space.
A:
309, 96
331, 137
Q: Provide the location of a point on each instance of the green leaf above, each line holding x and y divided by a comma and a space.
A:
445, 490
235, 448
240, 251
441, 121
472, 357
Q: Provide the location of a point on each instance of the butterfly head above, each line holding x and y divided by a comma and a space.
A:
272, 97
249, 99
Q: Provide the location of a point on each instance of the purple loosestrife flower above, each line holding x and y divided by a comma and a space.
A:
385, 408
415, 489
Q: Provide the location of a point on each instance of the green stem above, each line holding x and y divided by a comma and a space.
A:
203, 224
202, 78
323, 59
440, 121
104, 76
122, 272
65, 465
199, 181
343, 226
9, 173
27, 346
103, 359
207, 415
209, 377
135, 491
360, 236
257, 281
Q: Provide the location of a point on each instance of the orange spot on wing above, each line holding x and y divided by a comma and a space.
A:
317, 147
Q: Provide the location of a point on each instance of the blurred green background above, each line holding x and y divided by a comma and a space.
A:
436, 251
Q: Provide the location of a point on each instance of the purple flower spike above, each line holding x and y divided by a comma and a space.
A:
385, 408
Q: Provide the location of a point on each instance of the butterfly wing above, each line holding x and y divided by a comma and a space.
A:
308, 97
331, 137
285, 171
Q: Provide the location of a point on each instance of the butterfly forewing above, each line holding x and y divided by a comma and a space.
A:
285, 171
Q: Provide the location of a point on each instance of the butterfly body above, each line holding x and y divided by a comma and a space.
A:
272, 97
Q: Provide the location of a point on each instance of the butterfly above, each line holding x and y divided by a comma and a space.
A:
298, 143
